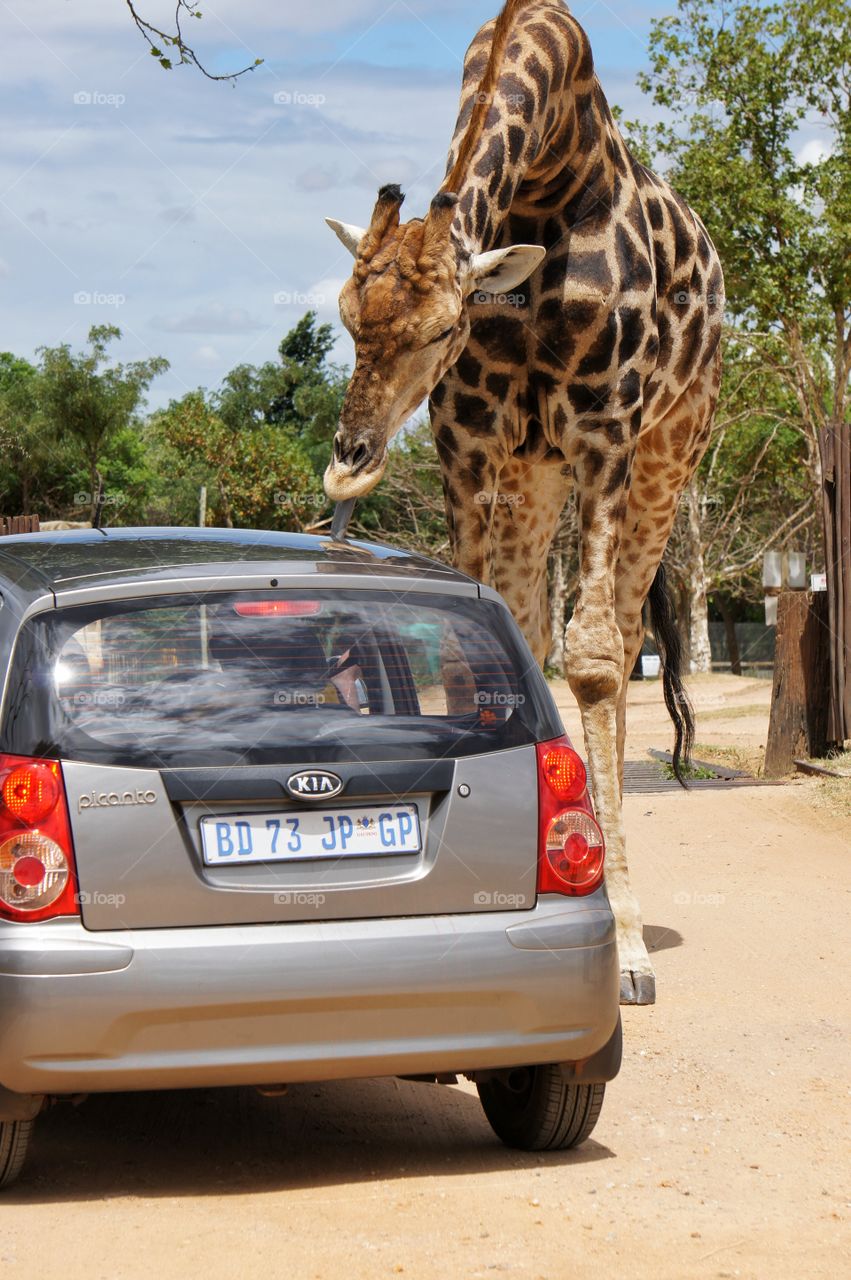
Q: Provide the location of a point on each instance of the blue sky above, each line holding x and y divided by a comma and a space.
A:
191, 213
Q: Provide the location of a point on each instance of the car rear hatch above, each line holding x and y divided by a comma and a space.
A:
282, 755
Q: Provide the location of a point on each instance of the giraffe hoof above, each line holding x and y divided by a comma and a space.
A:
638, 988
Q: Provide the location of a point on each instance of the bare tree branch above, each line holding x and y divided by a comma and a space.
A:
160, 42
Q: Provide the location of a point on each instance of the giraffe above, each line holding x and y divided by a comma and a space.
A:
561, 307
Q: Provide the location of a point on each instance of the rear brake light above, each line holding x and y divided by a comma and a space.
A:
564, 771
37, 879
277, 608
571, 849
31, 791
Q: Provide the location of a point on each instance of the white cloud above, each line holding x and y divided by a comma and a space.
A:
198, 202
207, 354
213, 317
813, 151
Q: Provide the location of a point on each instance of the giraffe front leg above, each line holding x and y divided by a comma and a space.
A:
594, 666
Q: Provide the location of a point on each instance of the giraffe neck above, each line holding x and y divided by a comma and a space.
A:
547, 143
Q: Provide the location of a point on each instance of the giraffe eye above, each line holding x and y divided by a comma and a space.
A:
447, 333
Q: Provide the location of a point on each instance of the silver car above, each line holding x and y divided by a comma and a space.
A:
275, 808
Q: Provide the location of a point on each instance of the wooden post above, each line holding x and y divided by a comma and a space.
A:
835, 446
202, 506
801, 693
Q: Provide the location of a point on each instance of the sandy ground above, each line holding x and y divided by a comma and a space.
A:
722, 1149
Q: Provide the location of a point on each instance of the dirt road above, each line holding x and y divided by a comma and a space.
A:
722, 1149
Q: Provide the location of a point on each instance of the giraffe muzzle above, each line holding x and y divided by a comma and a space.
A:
354, 469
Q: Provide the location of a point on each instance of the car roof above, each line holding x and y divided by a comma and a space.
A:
68, 561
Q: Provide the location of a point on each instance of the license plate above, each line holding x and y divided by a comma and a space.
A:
311, 833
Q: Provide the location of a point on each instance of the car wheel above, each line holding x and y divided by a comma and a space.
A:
14, 1141
535, 1109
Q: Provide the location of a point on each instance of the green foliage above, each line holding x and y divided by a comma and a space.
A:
22, 437
407, 508
86, 402
744, 85
257, 474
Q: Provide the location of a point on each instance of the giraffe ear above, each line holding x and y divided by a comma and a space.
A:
502, 269
350, 235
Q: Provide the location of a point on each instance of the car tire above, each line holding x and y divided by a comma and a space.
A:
14, 1142
535, 1109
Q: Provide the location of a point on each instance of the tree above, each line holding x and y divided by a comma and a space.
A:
256, 472
174, 43
745, 85
301, 394
19, 436
408, 508
750, 491
743, 82
87, 402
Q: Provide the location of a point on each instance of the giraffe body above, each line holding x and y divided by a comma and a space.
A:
562, 306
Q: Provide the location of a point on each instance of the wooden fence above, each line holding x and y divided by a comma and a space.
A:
18, 524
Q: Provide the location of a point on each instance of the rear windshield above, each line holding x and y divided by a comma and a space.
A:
253, 677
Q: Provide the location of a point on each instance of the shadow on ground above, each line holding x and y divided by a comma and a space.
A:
223, 1141
658, 937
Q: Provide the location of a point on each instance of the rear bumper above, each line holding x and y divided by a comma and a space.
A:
265, 1004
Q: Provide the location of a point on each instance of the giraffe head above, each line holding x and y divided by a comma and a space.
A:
405, 306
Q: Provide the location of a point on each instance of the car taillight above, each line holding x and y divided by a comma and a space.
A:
277, 608
37, 879
563, 770
571, 849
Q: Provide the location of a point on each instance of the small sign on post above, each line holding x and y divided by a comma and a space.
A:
772, 570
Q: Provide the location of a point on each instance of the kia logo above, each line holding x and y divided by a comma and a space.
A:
314, 784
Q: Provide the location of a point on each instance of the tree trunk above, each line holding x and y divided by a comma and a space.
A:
700, 654
835, 444
733, 653
799, 697
558, 605
227, 517
93, 487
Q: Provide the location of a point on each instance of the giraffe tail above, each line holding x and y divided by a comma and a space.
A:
670, 649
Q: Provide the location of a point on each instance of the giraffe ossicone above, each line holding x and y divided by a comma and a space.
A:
561, 307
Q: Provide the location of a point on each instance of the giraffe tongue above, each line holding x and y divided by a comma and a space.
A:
342, 516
